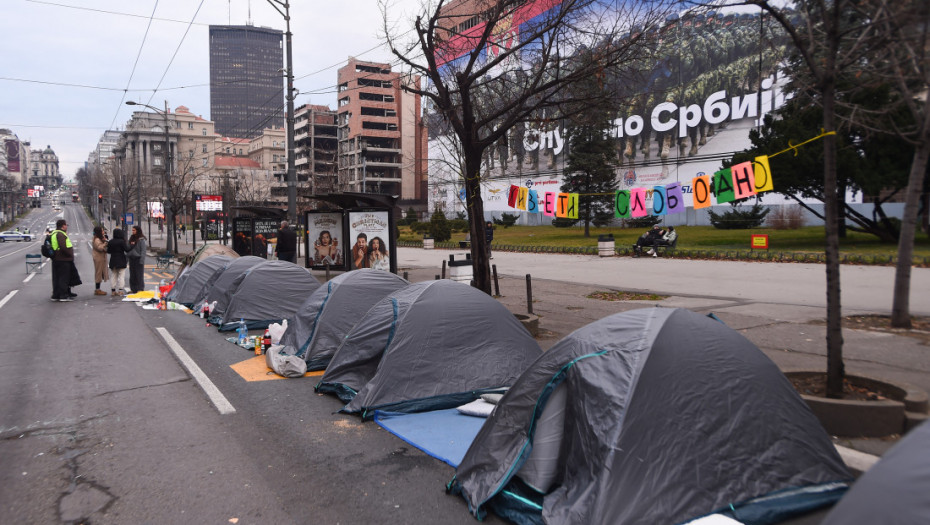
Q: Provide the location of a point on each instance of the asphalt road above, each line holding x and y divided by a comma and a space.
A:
100, 423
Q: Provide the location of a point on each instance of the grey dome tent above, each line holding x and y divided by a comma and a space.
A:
428, 346
268, 293
188, 289
322, 322
224, 286
651, 416
895, 490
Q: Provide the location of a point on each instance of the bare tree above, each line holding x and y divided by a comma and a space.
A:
831, 38
492, 65
906, 60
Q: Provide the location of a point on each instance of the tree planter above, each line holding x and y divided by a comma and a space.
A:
904, 407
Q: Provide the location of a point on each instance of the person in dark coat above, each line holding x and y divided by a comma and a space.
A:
136, 257
286, 247
489, 236
117, 249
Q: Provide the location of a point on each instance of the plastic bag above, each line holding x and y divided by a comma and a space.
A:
276, 330
284, 364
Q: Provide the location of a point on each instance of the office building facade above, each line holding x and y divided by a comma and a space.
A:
246, 80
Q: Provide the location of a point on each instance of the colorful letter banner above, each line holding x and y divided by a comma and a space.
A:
549, 204
532, 202
622, 205
727, 185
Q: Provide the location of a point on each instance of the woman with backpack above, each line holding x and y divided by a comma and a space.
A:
117, 249
136, 256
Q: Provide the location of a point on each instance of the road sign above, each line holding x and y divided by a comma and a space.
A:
128, 218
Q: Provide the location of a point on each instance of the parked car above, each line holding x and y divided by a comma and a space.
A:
10, 235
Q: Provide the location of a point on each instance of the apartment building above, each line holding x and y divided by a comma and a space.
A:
316, 143
381, 138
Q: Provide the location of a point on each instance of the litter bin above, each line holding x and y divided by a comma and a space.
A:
461, 271
427, 243
606, 246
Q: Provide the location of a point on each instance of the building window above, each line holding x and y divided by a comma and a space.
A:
190, 125
156, 161
204, 148
204, 132
204, 163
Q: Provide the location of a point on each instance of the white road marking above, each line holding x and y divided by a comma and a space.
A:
7, 298
217, 397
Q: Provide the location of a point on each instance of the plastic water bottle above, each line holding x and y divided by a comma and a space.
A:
243, 332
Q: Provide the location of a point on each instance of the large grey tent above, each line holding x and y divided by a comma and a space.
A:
895, 490
268, 293
427, 346
190, 286
651, 416
322, 322
224, 286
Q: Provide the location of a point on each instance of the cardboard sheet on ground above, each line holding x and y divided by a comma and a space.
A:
442, 434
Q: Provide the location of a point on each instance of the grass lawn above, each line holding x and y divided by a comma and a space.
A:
805, 240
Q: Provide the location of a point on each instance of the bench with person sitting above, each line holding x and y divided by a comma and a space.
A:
656, 239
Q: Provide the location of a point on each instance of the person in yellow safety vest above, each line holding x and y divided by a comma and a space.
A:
64, 272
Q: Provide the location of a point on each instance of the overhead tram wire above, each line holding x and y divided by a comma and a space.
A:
173, 56
117, 13
134, 65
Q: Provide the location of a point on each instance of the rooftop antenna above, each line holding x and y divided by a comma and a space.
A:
229, 12
249, 4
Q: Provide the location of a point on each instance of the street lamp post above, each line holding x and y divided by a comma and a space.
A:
169, 217
291, 153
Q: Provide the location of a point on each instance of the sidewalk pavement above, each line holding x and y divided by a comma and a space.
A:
781, 307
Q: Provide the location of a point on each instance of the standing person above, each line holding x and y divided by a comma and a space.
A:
117, 249
286, 247
136, 256
64, 273
99, 247
360, 252
489, 236
378, 258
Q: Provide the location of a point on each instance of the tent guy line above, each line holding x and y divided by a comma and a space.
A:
216, 397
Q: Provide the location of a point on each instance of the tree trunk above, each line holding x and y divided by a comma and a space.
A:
479, 246
835, 368
900, 306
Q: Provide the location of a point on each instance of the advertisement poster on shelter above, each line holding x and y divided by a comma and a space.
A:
370, 234
325, 240
242, 236
264, 234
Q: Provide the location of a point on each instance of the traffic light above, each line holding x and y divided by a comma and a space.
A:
99, 197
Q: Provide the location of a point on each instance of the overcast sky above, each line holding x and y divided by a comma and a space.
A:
70, 65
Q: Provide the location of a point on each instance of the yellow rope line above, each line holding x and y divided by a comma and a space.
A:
791, 147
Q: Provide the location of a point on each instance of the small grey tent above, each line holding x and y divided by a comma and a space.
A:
428, 346
895, 490
651, 416
268, 293
322, 322
190, 287
223, 288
